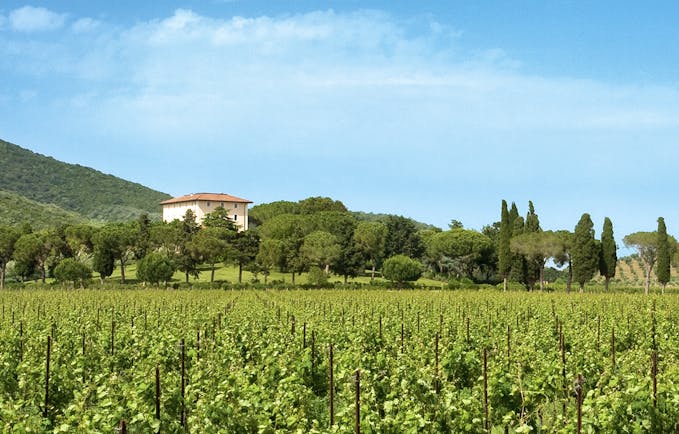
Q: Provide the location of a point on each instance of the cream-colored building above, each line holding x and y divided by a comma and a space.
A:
204, 203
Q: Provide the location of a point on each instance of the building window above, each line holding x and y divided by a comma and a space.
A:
235, 217
222, 204
208, 204
235, 205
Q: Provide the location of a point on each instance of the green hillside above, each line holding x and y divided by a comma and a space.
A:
17, 210
85, 191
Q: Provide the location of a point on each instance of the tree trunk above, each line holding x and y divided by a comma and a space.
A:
2, 276
570, 277
582, 287
186, 273
212, 273
346, 279
372, 272
542, 276
293, 277
327, 269
606, 283
122, 272
504, 283
42, 273
648, 279
662, 288
240, 273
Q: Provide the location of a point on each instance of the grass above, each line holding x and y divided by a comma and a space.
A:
230, 274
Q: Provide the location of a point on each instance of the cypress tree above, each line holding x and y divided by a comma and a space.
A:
608, 258
662, 269
504, 254
533, 262
518, 271
513, 214
585, 253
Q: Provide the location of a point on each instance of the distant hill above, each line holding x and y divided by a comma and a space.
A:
17, 210
71, 187
372, 217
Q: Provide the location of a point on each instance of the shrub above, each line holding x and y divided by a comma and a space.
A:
71, 270
155, 268
401, 269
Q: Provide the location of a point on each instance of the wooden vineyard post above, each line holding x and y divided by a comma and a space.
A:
158, 395
304, 335
401, 337
113, 334
468, 340
380, 320
122, 428
598, 333
654, 376
21, 338
509, 346
331, 382
357, 402
313, 350
47, 375
486, 411
613, 347
579, 396
183, 384
437, 381
198, 344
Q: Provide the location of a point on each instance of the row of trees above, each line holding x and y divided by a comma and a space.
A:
320, 236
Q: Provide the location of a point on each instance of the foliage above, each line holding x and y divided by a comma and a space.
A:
155, 268
258, 361
321, 248
370, 238
608, 259
8, 238
538, 247
646, 245
504, 253
584, 252
662, 270
16, 209
72, 270
401, 269
402, 238
32, 251
457, 252
87, 192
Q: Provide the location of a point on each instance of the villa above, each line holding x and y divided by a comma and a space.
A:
204, 203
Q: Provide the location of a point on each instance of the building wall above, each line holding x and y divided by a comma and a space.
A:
237, 211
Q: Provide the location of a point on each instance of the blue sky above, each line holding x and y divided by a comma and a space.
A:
433, 110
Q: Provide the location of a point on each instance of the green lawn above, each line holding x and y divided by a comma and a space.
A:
230, 274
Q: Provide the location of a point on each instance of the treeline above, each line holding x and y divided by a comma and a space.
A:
319, 236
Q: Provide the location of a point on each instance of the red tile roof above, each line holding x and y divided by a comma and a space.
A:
212, 197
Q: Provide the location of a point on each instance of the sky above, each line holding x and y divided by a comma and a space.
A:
436, 110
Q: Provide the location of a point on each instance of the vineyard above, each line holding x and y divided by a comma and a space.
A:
337, 361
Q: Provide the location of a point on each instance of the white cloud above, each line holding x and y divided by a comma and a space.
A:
84, 25
362, 91
32, 19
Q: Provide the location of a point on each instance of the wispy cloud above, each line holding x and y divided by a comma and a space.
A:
84, 25
32, 19
360, 90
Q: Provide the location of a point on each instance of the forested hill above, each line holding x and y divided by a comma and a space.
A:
16, 210
87, 192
